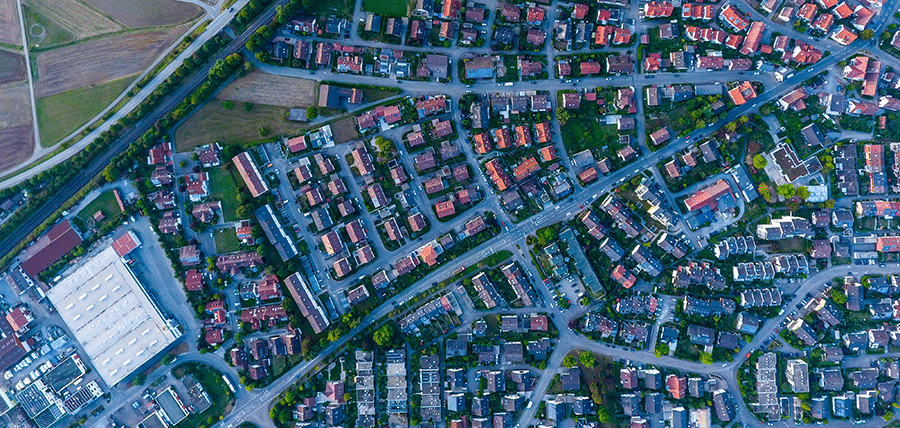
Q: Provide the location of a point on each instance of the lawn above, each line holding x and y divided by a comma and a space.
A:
588, 133
226, 241
223, 188
59, 115
389, 8
105, 203
215, 123
219, 395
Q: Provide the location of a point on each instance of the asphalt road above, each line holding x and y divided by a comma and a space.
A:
99, 163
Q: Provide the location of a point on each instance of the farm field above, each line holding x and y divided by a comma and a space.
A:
9, 23
43, 32
101, 60
60, 114
15, 95
390, 8
77, 18
16, 144
213, 122
12, 67
271, 89
147, 13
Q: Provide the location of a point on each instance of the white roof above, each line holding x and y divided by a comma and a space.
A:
111, 315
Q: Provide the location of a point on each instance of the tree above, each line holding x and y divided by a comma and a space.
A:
587, 359
867, 34
384, 336
829, 204
888, 415
706, 358
168, 359
569, 361
596, 392
886, 35
312, 113
759, 162
662, 349
140, 379
603, 415
384, 145
838, 296
227, 105
787, 190
765, 192
306, 347
803, 192
262, 130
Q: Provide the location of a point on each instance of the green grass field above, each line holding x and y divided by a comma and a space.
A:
105, 203
54, 34
587, 133
213, 122
59, 115
389, 8
220, 396
226, 241
223, 188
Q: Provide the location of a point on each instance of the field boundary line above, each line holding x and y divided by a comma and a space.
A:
49, 153
10, 48
100, 12
124, 32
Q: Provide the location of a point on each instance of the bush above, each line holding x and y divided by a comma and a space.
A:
312, 113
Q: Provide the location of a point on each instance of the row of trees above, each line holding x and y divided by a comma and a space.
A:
47, 184
264, 34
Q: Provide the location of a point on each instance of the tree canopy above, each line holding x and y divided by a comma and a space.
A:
384, 336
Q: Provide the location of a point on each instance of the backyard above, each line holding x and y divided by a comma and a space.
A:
106, 204
388, 8
221, 398
581, 134
226, 241
224, 189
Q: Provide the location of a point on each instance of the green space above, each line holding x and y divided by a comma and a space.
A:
59, 115
235, 126
105, 203
54, 34
223, 188
219, 395
587, 133
226, 241
390, 8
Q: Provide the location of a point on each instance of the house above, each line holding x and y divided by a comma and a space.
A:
661, 136
250, 174
619, 64
479, 68
570, 379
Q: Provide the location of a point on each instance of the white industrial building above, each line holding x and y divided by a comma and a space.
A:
112, 316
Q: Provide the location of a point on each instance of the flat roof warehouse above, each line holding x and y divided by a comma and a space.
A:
112, 316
